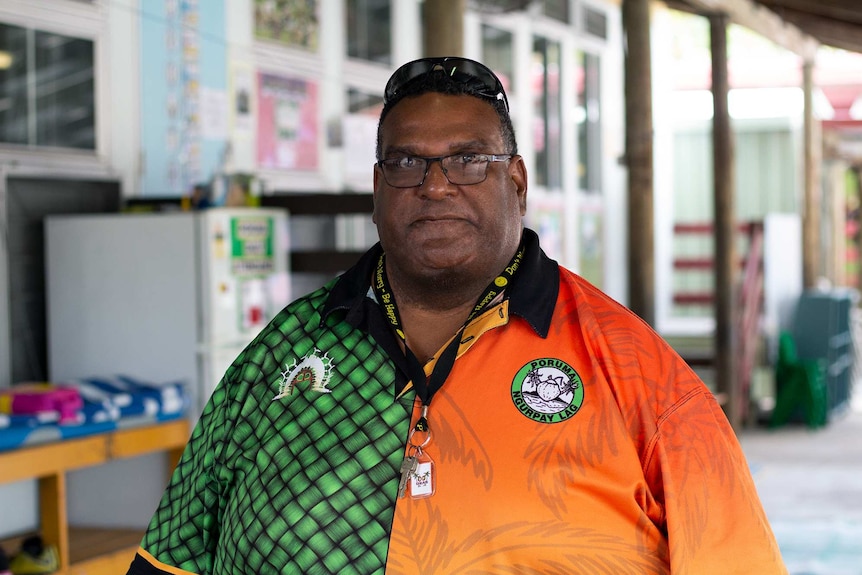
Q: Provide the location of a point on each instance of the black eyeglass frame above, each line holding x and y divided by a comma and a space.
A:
449, 65
487, 159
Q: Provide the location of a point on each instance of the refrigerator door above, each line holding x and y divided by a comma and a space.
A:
244, 282
160, 297
122, 296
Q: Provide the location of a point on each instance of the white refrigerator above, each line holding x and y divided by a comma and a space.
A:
162, 296
159, 297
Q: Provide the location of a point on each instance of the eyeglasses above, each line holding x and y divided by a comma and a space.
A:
462, 70
459, 169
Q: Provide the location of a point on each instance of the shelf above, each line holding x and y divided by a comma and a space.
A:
99, 550
87, 550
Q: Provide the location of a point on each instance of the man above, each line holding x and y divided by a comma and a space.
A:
456, 402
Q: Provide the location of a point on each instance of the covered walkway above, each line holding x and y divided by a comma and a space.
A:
810, 482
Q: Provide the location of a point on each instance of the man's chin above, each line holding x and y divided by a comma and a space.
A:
443, 261
441, 234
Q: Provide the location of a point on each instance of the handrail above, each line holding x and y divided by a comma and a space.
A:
749, 294
749, 312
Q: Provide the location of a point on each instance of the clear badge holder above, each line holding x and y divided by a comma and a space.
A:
423, 479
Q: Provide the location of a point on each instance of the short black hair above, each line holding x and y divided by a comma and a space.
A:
438, 82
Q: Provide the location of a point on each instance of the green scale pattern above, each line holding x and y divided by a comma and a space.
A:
303, 484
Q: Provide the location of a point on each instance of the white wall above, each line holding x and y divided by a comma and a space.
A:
82, 20
119, 92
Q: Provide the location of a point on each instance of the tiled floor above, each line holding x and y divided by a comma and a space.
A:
810, 483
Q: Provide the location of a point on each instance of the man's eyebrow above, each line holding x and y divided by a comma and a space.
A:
454, 148
400, 150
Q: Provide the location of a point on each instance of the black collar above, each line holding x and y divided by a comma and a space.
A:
531, 297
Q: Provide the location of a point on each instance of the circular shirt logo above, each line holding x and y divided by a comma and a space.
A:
547, 390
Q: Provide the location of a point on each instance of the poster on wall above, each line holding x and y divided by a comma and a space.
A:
360, 142
287, 133
243, 88
213, 113
291, 22
545, 216
182, 93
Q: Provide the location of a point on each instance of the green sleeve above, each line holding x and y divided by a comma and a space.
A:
184, 530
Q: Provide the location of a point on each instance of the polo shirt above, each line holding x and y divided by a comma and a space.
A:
567, 438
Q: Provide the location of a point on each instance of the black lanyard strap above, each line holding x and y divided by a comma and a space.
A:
426, 387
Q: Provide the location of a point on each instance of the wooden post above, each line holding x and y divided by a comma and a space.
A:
811, 162
725, 228
837, 225
443, 27
53, 513
857, 172
639, 158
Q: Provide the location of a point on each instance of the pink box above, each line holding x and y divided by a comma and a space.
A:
34, 398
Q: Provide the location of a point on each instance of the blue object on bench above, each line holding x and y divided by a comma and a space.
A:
109, 403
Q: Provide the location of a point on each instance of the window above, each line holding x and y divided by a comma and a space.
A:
595, 23
497, 46
359, 102
46, 89
546, 111
588, 117
556, 9
369, 35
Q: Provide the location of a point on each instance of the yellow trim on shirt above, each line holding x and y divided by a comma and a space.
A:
158, 564
493, 317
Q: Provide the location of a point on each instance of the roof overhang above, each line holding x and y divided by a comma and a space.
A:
758, 18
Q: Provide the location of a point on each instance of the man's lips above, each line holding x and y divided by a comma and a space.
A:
441, 218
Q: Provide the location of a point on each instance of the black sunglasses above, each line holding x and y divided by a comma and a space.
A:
462, 70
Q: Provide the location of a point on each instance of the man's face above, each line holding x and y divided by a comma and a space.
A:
440, 231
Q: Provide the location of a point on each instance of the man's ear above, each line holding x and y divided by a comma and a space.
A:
518, 173
374, 195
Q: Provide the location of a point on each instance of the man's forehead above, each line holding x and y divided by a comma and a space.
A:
457, 117
424, 104
400, 143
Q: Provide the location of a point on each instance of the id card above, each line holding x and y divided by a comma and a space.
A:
422, 482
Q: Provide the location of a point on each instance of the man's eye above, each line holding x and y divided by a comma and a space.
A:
468, 159
406, 163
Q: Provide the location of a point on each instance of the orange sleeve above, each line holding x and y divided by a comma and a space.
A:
714, 519
701, 492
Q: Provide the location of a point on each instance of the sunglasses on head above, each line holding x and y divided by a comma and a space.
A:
461, 70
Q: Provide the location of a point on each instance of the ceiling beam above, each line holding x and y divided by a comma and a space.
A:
763, 21
837, 33
842, 10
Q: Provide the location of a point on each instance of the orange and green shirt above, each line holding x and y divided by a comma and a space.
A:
567, 438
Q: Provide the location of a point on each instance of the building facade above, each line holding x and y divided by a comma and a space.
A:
102, 101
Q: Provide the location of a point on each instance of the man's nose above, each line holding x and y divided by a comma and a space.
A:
436, 181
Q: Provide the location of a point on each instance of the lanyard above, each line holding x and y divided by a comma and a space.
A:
427, 387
